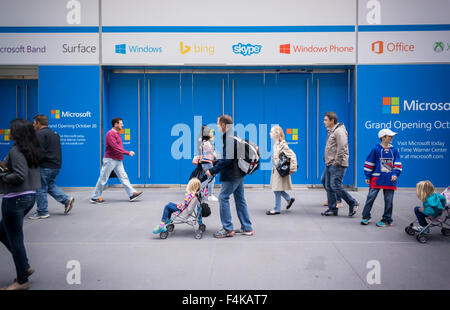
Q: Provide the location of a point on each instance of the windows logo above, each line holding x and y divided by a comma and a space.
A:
127, 133
4, 135
121, 49
55, 114
285, 49
292, 134
391, 105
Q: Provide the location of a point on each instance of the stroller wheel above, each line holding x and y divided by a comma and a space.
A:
164, 234
198, 236
170, 227
202, 228
409, 230
421, 238
445, 232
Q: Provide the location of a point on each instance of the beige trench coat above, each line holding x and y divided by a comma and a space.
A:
277, 182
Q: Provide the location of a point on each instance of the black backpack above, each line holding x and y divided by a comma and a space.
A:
247, 155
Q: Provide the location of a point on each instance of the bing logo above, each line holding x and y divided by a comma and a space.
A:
391, 105
4, 135
55, 114
292, 134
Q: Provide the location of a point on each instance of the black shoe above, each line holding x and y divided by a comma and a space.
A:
353, 209
290, 202
136, 196
329, 213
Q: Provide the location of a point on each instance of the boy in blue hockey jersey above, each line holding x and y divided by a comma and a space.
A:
382, 168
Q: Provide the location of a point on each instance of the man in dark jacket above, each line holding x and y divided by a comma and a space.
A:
50, 166
232, 179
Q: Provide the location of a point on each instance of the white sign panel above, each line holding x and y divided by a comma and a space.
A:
229, 49
228, 13
54, 48
404, 47
49, 32
403, 31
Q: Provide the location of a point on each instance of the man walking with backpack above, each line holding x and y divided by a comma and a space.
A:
232, 178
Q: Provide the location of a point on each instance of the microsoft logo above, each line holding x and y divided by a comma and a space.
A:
378, 47
292, 134
391, 105
4, 135
127, 133
121, 49
285, 49
55, 114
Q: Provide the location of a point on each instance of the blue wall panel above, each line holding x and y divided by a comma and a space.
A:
73, 94
417, 107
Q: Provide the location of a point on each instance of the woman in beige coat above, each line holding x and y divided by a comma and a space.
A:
278, 183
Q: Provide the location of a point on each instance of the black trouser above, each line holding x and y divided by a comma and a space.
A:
11, 231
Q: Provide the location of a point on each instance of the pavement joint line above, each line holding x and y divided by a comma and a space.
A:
351, 266
149, 243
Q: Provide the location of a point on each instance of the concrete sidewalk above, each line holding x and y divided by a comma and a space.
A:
299, 249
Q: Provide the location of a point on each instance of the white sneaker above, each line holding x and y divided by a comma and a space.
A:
213, 198
36, 216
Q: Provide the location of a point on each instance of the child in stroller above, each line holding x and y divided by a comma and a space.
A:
190, 211
434, 208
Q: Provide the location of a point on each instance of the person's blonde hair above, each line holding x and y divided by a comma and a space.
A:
193, 185
277, 129
424, 189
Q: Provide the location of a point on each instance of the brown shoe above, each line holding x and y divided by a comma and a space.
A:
15, 286
30, 272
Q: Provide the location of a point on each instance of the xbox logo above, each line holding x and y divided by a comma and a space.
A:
438, 47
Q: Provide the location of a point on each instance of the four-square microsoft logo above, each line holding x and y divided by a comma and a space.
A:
292, 134
391, 105
4, 135
121, 49
127, 133
55, 114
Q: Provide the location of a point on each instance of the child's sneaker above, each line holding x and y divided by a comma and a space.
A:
159, 229
383, 224
213, 198
421, 229
365, 221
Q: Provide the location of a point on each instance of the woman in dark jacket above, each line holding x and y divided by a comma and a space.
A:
19, 180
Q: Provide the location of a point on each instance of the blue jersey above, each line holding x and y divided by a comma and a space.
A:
380, 165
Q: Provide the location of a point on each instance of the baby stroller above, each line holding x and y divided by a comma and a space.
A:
193, 215
442, 221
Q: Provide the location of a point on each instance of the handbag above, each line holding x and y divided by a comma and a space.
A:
284, 165
195, 160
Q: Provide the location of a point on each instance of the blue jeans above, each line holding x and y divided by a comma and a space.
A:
235, 187
205, 167
168, 210
109, 165
333, 185
420, 217
323, 180
278, 195
11, 231
388, 204
48, 177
